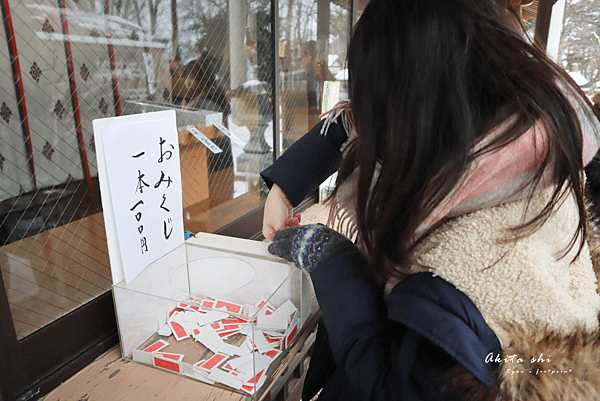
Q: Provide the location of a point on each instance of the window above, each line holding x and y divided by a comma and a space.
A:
237, 71
313, 37
579, 50
86, 60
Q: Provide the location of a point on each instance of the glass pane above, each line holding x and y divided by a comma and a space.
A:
69, 62
313, 37
222, 69
579, 51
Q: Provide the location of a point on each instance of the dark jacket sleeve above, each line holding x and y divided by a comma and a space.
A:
353, 312
394, 348
308, 162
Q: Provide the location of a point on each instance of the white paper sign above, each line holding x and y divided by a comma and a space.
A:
140, 181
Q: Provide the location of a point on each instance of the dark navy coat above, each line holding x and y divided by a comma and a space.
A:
372, 346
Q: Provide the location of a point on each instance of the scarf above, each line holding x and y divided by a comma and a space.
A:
493, 178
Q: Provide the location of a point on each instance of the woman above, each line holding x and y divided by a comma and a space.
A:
463, 178
203, 83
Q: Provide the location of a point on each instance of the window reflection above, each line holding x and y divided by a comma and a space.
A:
312, 50
212, 61
579, 51
68, 65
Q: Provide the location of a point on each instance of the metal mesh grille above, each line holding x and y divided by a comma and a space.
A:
64, 63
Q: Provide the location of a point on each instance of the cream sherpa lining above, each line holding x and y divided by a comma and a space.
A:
517, 282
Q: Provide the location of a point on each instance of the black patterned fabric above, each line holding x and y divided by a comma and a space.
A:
309, 245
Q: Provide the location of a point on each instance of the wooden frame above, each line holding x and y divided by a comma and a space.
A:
35, 365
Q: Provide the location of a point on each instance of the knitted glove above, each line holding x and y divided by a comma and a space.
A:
310, 245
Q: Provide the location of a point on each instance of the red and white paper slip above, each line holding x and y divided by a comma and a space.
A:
183, 305
273, 322
234, 364
226, 378
254, 382
167, 364
228, 327
190, 316
212, 362
261, 302
256, 363
171, 356
287, 308
228, 330
260, 341
273, 354
165, 331
275, 342
290, 333
228, 368
210, 317
157, 346
210, 339
189, 306
256, 378
249, 388
269, 309
176, 316
207, 303
229, 306
198, 374
189, 327
273, 333
234, 321
226, 334
173, 312
279, 319
178, 331
249, 310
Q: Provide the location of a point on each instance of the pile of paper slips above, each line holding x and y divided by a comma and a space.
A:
243, 340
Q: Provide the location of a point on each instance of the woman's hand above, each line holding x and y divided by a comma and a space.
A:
279, 213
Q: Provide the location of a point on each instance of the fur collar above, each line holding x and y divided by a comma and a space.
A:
522, 282
548, 365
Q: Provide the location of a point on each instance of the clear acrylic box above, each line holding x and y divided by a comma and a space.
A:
233, 311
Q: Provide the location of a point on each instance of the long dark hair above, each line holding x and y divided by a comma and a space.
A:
428, 80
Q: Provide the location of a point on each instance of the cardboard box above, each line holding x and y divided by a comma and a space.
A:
207, 178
